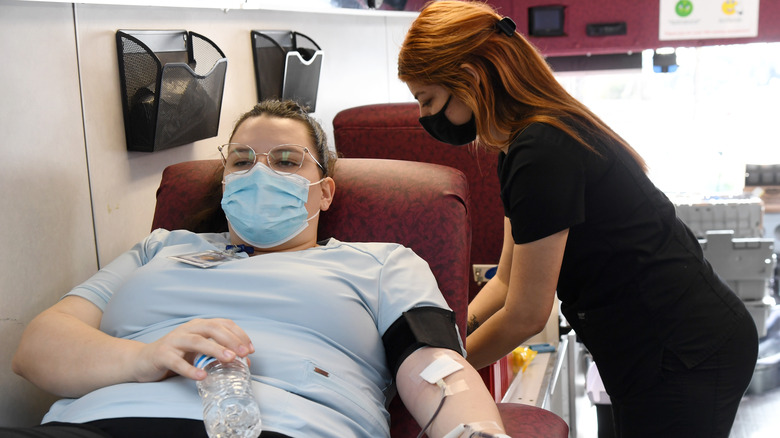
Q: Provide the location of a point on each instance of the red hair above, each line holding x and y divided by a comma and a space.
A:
514, 86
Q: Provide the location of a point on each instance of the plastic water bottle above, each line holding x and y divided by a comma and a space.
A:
229, 407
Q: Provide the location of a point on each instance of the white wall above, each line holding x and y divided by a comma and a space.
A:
73, 197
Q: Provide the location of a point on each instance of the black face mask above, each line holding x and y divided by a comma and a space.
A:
440, 128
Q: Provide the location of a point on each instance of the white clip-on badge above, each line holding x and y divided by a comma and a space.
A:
213, 257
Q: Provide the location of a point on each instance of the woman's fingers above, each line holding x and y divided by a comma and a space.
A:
230, 335
225, 333
175, 352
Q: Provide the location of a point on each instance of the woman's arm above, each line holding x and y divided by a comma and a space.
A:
531, 286
493, 295
63, 351
469, 403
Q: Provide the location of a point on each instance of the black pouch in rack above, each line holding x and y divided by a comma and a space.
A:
287, 66
172, 86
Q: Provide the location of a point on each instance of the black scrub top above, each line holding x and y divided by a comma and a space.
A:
634, 284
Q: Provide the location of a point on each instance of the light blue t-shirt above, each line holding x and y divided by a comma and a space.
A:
316, 318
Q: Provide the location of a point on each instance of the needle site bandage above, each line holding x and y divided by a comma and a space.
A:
440, 368
456, 387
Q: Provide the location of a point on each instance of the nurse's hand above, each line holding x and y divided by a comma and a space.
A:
174, 353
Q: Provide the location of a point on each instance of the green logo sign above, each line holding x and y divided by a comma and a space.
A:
684, 8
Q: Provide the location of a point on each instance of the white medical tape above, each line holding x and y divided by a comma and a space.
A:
440, 368
456, 387
456, 432
482, 425
475, 430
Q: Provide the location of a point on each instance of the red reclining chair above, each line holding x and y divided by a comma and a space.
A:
392, 131
422, 206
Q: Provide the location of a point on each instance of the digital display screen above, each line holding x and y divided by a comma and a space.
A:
545, 21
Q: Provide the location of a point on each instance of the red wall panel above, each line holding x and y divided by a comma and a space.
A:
640, 16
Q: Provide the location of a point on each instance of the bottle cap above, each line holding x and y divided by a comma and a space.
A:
202, 360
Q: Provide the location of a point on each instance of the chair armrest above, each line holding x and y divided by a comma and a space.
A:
531, 422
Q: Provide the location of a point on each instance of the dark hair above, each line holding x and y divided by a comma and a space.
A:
515, 85
288, 109
211, 218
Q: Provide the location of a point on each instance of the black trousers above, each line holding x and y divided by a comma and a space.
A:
697, 402
120, 428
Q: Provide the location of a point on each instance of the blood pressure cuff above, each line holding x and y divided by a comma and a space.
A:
420, 327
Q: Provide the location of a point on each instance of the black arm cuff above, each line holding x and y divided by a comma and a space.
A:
420, 327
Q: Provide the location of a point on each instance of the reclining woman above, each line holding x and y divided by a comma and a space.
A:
325, 326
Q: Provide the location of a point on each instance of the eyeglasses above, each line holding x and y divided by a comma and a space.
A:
285, 159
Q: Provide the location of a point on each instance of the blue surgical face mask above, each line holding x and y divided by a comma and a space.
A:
264, 208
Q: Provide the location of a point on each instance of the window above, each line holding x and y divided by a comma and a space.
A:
699, 126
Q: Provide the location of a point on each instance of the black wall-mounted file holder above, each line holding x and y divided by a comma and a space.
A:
287, 66
172, 85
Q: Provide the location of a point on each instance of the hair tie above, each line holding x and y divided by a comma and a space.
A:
507, 26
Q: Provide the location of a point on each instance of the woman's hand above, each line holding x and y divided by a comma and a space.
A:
526, 295
174, 353
63, 351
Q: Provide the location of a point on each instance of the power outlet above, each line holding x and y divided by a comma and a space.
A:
483, 273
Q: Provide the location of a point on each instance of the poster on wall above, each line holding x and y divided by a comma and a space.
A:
704, 19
